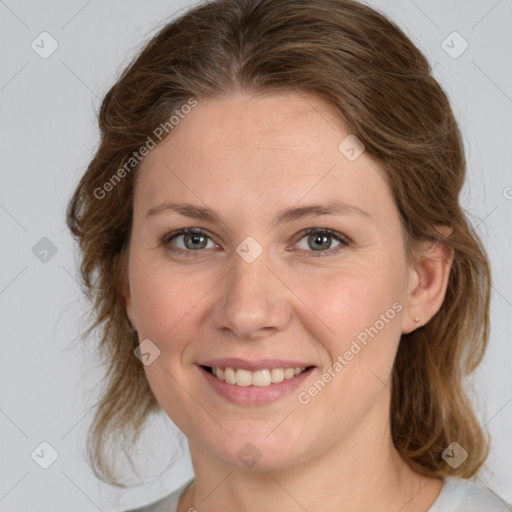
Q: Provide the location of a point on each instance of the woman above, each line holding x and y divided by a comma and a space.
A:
272, 238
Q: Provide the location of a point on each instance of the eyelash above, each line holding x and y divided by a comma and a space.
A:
344, 241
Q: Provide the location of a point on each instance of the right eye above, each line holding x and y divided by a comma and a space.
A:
188, 240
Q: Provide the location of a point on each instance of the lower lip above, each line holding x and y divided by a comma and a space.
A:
255, 395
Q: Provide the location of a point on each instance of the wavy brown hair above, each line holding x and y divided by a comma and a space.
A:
382, 88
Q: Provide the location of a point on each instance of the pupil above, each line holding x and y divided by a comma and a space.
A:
322, 241
197, 241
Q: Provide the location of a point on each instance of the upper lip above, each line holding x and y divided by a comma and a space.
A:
260, 364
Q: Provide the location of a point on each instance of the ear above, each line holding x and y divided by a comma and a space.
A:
127, 295
428, 280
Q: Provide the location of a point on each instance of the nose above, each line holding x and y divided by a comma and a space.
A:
253, 302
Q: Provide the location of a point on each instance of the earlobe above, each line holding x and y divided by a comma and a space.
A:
428, 287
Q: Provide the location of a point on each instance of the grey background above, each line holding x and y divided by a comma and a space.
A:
48, 108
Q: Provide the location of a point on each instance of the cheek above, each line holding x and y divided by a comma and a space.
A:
357, 312
167, 301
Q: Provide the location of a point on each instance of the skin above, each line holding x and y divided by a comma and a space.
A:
247, 158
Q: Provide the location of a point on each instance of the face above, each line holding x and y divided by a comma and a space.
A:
294, 257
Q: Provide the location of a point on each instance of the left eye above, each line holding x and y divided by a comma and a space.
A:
321, 240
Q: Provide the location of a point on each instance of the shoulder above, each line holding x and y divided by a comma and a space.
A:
167, 504
459, 495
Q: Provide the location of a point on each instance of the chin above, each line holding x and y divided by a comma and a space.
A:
259, 453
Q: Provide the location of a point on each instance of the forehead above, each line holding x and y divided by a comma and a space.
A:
259, 152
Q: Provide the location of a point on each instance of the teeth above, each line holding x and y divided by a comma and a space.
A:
243, 378
277, 375
257, 378
289, 373
230, 376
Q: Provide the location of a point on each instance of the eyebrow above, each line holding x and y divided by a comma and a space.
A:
287, 215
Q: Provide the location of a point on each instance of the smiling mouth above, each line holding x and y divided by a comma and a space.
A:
261, 378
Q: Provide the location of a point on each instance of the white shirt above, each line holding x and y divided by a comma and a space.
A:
457, 495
